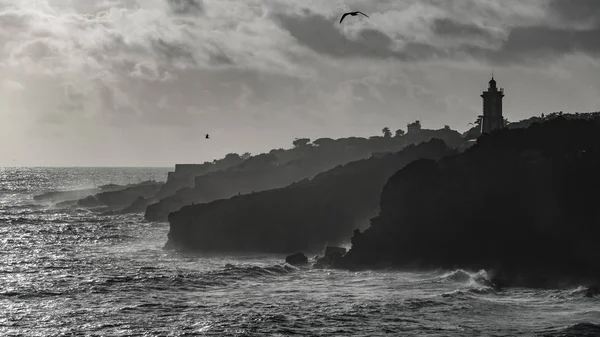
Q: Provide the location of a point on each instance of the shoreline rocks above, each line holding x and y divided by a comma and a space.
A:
298, 259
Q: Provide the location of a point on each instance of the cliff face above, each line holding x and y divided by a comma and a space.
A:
520, 202
303, 216
184, 174
283, 167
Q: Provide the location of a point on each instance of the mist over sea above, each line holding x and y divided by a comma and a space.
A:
67, 272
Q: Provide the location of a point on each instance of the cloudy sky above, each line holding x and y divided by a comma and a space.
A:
139, 82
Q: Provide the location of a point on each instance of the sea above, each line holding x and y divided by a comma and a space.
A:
73, 272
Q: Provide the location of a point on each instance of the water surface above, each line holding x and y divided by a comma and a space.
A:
66, 272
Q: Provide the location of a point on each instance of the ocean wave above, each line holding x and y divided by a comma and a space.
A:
418, 303
471, 284
190, 280
252, 271
469, 292
477, 280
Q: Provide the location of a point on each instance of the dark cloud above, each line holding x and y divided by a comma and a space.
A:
186, 6
527, 44
447, 27
320, 34
172, 51
536, 40
577, 10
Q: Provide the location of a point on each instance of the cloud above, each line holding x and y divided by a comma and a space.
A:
186, 6
453, 40
12, 85
122, 65
580, 11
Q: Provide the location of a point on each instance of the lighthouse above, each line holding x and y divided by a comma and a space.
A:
492, 108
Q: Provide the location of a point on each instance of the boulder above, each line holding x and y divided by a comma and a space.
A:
592, 291
335, 251
331, 256
297, 259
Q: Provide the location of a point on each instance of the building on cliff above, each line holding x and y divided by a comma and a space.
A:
413, 127
492, 108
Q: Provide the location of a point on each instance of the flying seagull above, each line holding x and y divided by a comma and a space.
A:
207, 136
352, 14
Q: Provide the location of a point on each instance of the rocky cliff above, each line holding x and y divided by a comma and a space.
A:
521, 203
280, 168
122, 197
303, 216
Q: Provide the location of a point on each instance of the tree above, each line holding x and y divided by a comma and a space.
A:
386, 132
259, 161
323, 142
246, 155
301, 142
232, 156
446, 127
399, 133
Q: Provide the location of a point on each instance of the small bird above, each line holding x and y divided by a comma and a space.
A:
352, 14
207, 136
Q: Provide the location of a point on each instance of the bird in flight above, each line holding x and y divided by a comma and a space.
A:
352, 14
207, 136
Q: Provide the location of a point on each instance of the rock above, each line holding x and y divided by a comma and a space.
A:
335, 251
330, 258
138, 206
297, 259
592, 291
124, 197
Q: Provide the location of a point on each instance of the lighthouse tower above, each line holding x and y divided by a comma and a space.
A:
492, 108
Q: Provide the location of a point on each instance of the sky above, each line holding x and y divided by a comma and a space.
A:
140, 82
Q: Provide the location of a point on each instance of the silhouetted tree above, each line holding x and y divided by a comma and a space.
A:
323, 142
300, 142
386, 132
479, 120
446, 127
399, 133
246, 155
259, 161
